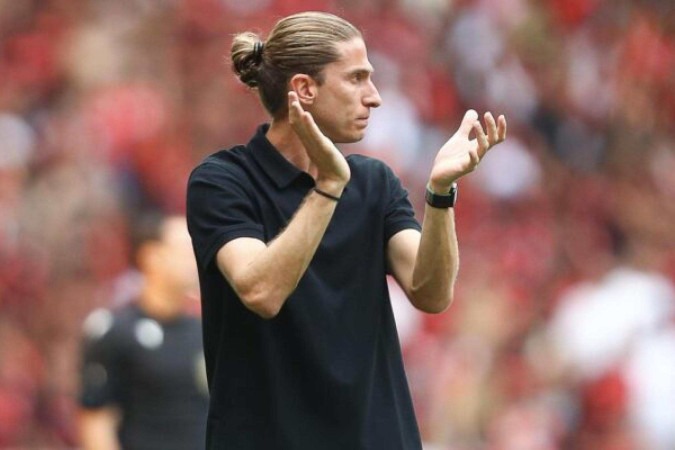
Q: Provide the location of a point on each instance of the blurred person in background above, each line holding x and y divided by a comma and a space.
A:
143, 379
294, 242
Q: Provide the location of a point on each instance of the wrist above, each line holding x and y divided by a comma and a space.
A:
441, 187
333, 188
443, 198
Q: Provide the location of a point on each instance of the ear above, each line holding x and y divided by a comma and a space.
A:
305, 87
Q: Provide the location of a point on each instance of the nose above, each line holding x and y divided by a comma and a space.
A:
372, 98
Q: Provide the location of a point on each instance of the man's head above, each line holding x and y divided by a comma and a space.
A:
303, 43
163, 254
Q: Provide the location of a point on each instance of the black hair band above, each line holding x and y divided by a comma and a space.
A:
326, 194
257, 50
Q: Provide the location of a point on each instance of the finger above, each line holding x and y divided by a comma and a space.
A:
475, 159
302, 122
491, 126
310, 126
481, 139
470, 117
300, 119
294, 108
501, 130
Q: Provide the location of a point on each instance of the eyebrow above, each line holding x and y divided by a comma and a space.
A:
359, 70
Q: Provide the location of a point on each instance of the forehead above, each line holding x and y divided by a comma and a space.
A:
353, 56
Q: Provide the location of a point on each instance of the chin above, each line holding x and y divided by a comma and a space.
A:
352, 140
349, 138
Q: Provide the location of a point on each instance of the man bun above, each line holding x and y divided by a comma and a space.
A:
247, 57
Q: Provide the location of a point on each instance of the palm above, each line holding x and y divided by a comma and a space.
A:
330, 163
460, 154
456, 157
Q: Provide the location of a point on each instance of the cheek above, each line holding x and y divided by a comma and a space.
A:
183, 266
189, 267
335, 116
339, 101
326, 118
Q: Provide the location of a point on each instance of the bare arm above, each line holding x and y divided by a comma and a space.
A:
98, 429
263, 276
426, 264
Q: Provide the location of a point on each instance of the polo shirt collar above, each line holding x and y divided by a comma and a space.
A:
278, 168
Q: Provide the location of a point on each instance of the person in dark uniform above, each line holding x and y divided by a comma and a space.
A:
143, 375
294, 241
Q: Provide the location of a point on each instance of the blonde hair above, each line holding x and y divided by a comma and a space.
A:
300, 43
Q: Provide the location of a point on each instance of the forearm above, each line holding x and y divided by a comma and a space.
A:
266, 281
437, 261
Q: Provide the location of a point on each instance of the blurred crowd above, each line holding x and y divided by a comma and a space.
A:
562, 334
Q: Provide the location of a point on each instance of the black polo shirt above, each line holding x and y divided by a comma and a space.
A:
326, 372
153, 371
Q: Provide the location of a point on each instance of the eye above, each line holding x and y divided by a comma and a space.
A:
359, 77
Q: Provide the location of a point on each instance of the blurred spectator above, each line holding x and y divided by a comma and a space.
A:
649, 373
606, 332
143, 374
599, 320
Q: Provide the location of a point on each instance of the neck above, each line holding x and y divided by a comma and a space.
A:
161, 302
287, 142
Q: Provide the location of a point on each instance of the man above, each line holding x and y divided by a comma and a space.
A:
143, 379
294, 242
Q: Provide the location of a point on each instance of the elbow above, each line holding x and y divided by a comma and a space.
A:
264, 311
262, 303
435, 307
435, 304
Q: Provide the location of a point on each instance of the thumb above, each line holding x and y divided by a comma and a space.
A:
469, 119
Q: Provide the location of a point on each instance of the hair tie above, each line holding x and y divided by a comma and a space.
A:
257, 51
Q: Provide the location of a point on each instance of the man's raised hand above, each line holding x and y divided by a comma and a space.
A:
461, 155
332, 169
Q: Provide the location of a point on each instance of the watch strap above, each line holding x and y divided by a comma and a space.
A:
441, 200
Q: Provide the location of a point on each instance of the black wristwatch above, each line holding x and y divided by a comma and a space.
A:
442, 200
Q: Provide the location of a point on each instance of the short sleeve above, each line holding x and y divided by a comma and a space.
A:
220, 208
399, 214
101, 362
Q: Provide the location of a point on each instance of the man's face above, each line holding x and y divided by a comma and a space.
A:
342, 105
177, 263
